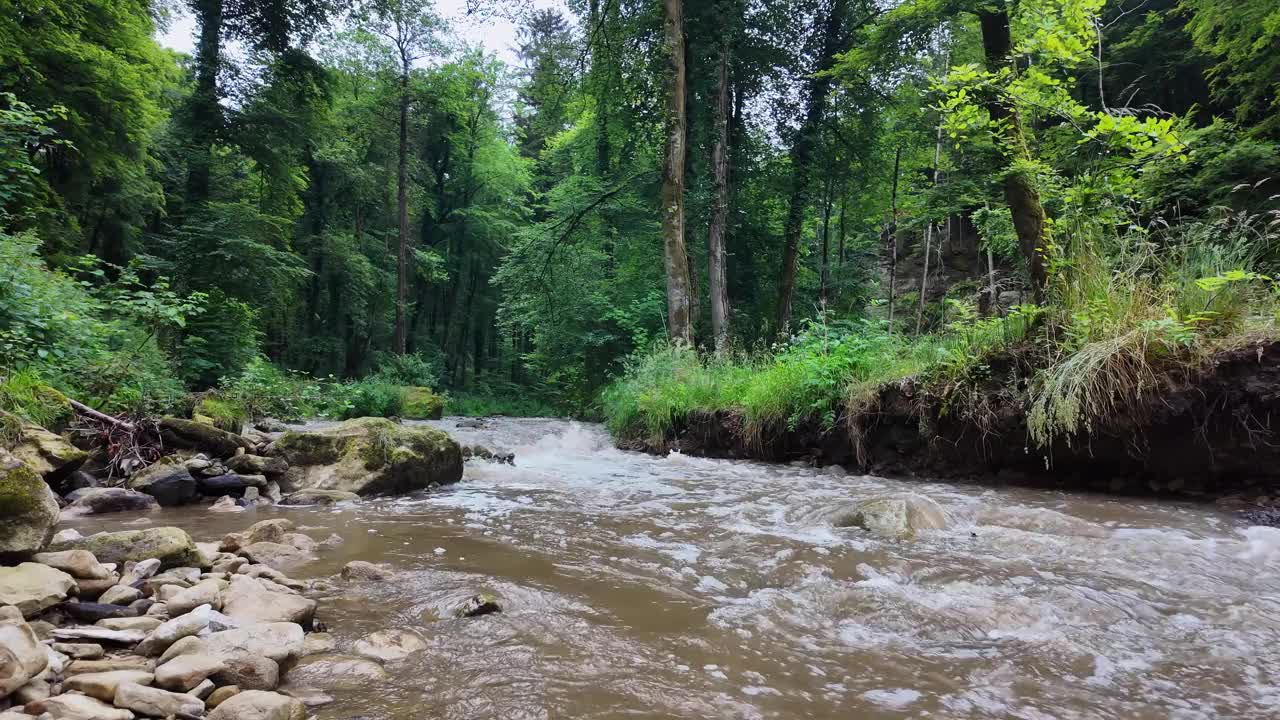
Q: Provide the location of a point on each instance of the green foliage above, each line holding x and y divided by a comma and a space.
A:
225, 414
26, 395
265, 390
372, 397
218, 342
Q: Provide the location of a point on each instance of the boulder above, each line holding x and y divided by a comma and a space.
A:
120, 595
172, 546
168, 481
221, 695
259, 705
49, 454
342, 672
369, 456
247, 464
420, 403
79, 564
79, 651
250, 672
225, 504
140, 570
32, 587
22, 657
187, 671
174, 630
275, 555
363, 570
319, 497
78, 707
248, 600
28, 508
91, 589
389, 645
278, 641
189, 645
100, 501
319, 642
270, 425
230, 484
154, 702
205, 592
203, 690
302, 543
102, 685
894, 516
78, 480
192, 435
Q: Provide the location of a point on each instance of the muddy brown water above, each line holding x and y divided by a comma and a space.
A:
645, 587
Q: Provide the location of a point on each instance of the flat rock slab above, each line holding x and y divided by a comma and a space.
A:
102, 685
97, 634
32, 587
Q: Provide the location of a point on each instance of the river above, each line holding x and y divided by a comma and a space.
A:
646, 587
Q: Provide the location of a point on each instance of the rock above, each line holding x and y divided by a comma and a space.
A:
342, 672
32, 587
91, 612
180, 433
251, 495
174, 630
168, 481
272, 491
140, 571
52, 456
33, 692
172, 546
362, 570
100, 501
249, 601
28, 508
334, 540
319, 497
63, 536
142, 605
79, 707
76, 563
302, 543
77, 480
102, 685
259, 705
155, 702
420, 403
22, 657
97, 634
278, 641
268, 531
310, 697
203, 690
187, 671
250, 672
205, 592
221, 695
389, 645
226, 503
141, 624
80, 651
93, 589
319, 642
159, 610
369, 456
477, 605
230, 484
258, 465
894, 516
189, 645
275, 555
270, 425
120, 595
120, 662
472, 424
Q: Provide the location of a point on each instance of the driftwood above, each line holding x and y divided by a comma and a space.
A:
82, 409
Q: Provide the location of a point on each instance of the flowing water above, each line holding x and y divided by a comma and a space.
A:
649, 587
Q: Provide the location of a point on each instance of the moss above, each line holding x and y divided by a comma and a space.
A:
220, 413
420, 403
20, 487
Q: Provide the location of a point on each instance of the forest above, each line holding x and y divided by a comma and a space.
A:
660, 208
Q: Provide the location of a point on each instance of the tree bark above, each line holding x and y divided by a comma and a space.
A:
802, 158
716, 254
205, 111
402, 212
1019, 191
679, 322
825, 276
893, 235
928, 238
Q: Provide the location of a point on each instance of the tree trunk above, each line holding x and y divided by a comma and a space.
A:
1019, 190
893, 235
205, 115
679, 297
928, 239
825, 276
716, 255
802, 158
402, 213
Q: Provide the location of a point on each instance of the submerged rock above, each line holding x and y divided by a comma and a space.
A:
363, 570
337, 671
319, 497
259, 705
100, 501
28, 508
369, 456
894, 516
390, 645
477, 605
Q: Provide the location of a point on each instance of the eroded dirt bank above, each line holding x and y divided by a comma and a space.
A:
1206, 431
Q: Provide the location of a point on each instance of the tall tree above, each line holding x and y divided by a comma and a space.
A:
718, 282
409, 25
679, 286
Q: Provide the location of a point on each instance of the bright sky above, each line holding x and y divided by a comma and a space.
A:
497, 35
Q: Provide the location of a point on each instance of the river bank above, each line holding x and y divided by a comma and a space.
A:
1204, 431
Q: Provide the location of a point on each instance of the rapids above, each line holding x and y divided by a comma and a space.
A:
646, 587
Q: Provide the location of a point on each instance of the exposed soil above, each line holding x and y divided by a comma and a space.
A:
1205, 431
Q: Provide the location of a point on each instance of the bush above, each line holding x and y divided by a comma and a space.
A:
414, 370
264, 390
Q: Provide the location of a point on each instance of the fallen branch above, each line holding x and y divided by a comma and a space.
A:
89, 412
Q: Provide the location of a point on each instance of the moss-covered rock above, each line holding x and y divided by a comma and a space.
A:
220, 413
420, 403
168, 481
192, 435
49, 454
28, 508
172, 546
369, 456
